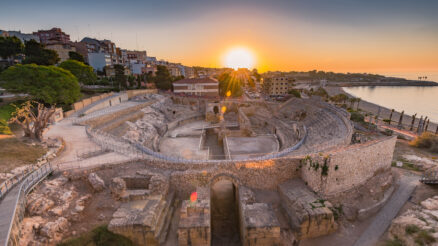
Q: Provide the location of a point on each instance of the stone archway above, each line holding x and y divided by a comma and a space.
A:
225, 222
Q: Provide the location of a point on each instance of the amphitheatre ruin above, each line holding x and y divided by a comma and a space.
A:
202, 171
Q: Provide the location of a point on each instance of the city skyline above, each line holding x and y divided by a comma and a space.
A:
395, 37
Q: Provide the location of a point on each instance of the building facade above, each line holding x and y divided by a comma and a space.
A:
24, 37
198, 87
54, 35
99, 60
278, 86
62, 49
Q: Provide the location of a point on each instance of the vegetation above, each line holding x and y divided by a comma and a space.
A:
81, 71
5, 115
99, 236
412, 229
231, 83
37, 54
10, 46
339, 98
120, 77
162, 78
76, 56
427, 141
33, 117
394, 242
48, 84
357, 117
424, 238
295, 93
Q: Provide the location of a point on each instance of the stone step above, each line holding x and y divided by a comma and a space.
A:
133, 195
165, 218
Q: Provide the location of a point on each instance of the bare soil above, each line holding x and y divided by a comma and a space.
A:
16, 152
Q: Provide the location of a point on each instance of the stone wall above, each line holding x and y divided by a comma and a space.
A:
109, 102
133, 93
340, 170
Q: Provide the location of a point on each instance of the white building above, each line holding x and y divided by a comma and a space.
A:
99, 60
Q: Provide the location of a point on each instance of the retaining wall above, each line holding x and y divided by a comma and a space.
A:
348, 167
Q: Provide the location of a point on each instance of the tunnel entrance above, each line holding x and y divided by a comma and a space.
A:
224, 214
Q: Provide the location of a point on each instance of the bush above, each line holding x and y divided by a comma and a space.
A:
357, 117
100, 236
424, 238
4, 128
411, 229
295, 93
426, 141
394, 242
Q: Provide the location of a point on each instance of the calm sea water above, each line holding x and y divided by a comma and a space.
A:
411, 99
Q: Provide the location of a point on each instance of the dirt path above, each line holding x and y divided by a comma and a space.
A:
76, 143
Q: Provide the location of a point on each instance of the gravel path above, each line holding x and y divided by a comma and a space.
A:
383, 219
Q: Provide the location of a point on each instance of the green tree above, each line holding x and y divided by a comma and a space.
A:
162, 79
10, 46
230, 84
76, 56
37, 54
48, 84
120, 77
81, 71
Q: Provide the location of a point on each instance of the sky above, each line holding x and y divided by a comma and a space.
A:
392, 37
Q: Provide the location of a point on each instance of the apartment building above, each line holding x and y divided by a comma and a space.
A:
277, 86
54, 35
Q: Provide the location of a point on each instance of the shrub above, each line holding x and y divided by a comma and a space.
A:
411, 229
426, 141
424, 238
4, 128
394, 242
357, 117
295, 93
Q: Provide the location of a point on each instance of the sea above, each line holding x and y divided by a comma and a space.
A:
422, 100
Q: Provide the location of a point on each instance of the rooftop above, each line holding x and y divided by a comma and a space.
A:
196, 81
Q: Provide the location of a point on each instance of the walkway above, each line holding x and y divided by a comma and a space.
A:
383, 219
7, 207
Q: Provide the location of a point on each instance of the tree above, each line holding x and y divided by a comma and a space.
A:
120, 77
48, 84
10, 46
76, 56
162, 79
35, 53
230, 84
33, 117
81, 71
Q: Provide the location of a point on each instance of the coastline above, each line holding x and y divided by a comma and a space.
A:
384, 112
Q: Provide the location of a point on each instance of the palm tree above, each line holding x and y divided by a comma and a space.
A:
390, 116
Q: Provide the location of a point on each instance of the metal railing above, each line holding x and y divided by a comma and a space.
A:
27, 185
10, 183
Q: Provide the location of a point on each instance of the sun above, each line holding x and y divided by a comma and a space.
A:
239, 58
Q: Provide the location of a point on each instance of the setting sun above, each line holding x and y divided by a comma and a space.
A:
239, 58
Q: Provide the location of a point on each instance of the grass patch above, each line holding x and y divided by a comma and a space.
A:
14, 153
424, 238
99, 236
406, 165
394, 242
411, 229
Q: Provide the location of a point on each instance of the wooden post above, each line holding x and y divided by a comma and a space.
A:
420, 126
413, 121
390, 117
400, 125
427, 125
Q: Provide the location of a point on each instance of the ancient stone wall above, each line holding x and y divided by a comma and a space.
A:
133, 93
340, 170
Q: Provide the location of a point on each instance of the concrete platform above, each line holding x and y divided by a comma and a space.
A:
246, 147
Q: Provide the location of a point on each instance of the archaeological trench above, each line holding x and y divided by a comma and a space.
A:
209, 172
